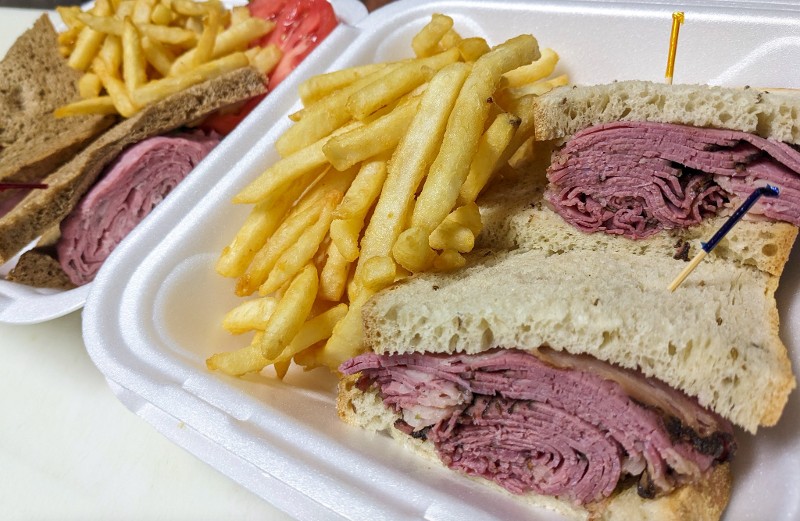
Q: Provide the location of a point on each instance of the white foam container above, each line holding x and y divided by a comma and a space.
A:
152, 316
21, 304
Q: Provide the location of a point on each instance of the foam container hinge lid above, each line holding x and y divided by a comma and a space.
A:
153, 314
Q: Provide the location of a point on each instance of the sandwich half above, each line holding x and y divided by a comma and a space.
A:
556, 365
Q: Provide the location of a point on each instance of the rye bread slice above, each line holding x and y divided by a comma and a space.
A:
43, 209
34, 80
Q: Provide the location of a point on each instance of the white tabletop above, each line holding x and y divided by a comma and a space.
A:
70, 450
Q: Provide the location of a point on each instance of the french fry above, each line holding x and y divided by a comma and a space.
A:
89, 86
411, 160
102, 24
116, 89
372, 139
169, 34
284, 237
242, 361
344, 235
190, 8
161, 14
450, 39
473, 48
333, 277
347, 338
292, 260
412, 250
281, 368
160, 89
157, 55
313, 331
249, 315
378, 273
290, 313
536, 88
449, 260
321, 85
458, 230
111, 52
285, 171
86, 47
133, 59
239, 14
325, 116
426, 41
451, 166
395, 84
266, 58
69, 15
204, 50
98, 105
535, 71
491, 147
142, 10
364, 190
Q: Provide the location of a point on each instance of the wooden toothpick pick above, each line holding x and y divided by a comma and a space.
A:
767, 191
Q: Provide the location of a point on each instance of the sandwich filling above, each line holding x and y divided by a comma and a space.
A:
550, 423
637, 178
129, 189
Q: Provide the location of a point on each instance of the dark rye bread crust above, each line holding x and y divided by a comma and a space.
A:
42, 209
34, 80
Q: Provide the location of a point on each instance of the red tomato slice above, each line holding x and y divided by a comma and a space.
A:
300, 25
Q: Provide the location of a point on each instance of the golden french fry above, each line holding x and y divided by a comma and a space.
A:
491, 147
86, 47
450, 39
159, 56
344, 235
364, 190
284, 237
262, 222
115, 88
451, 235
395, 84
69, 15
347, 339
133, 60
535, 71
412, 250
449, 260
314, 330
169, 34
372, 139
281, 368
292, 260
321, 85
69, 37
111, 52
190, 8
333, 277
410, 162
102, 24
265, 58
451, 166
89, 86
159, 89
98, 105
242, 361
204, 50
142, 10
239, 14
249, 315
473, 48
536, 88
426, 41
378, 273
161, 14
325, 116
286, 170
290, 313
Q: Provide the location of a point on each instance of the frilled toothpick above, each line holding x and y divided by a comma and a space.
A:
677, 21
706, 247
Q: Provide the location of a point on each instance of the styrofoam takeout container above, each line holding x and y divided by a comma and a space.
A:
153, 313
21, 304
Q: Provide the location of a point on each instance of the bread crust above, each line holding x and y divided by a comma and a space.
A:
702, 501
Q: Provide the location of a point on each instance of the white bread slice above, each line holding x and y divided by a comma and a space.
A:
566, 110
703, 501
716, 338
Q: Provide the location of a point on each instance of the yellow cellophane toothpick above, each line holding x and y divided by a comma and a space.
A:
677, 21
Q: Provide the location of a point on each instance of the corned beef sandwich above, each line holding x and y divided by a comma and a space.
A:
37, 215
556, 365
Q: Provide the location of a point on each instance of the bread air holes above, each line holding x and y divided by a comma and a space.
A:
487, 337
769, 250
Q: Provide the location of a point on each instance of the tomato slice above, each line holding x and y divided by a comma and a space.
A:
300, 25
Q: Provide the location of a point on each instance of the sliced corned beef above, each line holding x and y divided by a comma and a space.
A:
554, 423
128, 190
636, 178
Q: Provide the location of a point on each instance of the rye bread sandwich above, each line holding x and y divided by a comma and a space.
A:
99, 190
556, 365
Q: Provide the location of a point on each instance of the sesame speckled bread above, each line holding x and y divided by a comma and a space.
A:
566, 110
703, 501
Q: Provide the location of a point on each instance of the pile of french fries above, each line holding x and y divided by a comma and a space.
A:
377, 180
137, 52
